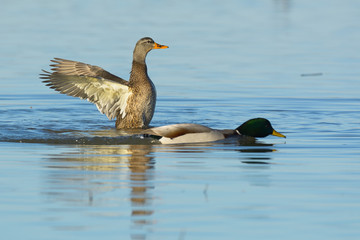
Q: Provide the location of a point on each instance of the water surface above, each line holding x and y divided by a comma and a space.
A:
66, 173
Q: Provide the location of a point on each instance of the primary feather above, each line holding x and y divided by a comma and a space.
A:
88, 82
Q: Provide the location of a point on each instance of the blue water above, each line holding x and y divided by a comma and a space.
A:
66, 173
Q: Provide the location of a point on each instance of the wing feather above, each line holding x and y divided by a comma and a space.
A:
108, 92
69, 67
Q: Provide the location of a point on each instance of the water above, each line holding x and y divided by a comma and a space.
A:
66, 173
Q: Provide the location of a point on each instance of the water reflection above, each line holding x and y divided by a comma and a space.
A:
242, 145
87, 175
256, 151
123, 176
257, 157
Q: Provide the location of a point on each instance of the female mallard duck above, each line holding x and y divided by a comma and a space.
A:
131, 102
193, 133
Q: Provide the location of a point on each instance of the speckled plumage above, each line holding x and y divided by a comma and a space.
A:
143, 99
131, 102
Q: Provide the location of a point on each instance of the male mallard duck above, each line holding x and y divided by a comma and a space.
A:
193, 133
131, 102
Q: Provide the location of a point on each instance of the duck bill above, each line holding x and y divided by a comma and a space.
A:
159, 46
275, 133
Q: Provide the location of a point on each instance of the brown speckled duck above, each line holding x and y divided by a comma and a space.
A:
131, 102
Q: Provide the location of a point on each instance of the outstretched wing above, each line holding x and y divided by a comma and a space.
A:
69, 67
108, 92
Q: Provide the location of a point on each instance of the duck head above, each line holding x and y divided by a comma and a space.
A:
143, 46
257, 127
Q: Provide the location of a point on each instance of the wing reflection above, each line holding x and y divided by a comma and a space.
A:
88, 175
120, 179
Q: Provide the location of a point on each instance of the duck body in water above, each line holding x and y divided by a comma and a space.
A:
131, 102
196, 133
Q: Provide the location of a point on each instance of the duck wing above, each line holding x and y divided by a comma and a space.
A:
69, 67
176, 130
107, 91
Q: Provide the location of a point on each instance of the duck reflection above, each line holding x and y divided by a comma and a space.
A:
140, 165
253, 150
116, 176
86, 175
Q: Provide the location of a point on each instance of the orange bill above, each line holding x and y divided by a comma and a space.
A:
159, 46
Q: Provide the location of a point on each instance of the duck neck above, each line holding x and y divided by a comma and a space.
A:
229, 132
138, 73
139, 55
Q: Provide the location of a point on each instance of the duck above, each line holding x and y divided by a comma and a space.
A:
196, 133
131, 102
